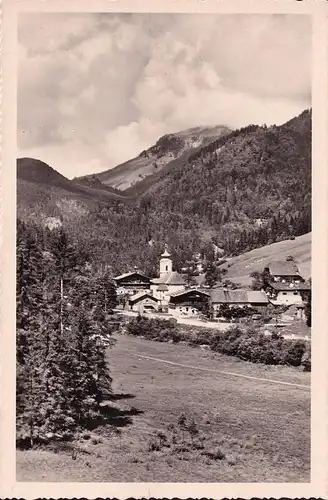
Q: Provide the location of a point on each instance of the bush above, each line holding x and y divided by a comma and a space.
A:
151, 328
306, 358
203, 337
294, 353
255, 347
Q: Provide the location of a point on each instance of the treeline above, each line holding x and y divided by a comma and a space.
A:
63, 321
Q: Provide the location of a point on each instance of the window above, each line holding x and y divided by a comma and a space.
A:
284, 293
166, 268
295, 293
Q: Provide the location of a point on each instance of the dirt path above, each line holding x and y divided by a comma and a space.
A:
268, 380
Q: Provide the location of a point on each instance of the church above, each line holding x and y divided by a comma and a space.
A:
154, 294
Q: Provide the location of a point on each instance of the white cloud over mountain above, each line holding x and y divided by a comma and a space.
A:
96, 89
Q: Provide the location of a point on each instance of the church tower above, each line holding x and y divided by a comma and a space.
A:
165, 263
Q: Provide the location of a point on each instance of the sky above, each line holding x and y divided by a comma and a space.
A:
94, 90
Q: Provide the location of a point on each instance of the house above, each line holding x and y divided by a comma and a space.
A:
284, 272
188, 302
143, 302
238, 298
132, 282
285, 285
287, 293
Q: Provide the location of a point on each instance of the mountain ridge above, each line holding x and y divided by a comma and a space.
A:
165, 153
244, 190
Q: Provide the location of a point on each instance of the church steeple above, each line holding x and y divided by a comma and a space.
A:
166, 253
165, 263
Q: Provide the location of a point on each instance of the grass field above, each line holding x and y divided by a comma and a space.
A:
261, 427
242, 266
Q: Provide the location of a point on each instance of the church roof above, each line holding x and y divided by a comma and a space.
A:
166, 253
159, 281
175, 278
172, 278
162, 288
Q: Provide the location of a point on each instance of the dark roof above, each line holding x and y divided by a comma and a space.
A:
283, 268
220, 296
188, 292
130, 275
290, 286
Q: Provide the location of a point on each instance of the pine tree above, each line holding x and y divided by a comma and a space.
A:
212, 274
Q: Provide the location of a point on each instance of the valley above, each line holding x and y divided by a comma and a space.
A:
239, 190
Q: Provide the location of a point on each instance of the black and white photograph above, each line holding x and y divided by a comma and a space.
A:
163, 248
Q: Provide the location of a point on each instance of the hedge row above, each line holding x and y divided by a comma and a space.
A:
246, 344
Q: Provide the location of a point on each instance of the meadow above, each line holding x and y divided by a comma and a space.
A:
183, 414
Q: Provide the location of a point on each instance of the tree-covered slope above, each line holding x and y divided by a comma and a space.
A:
241, 191
249, 188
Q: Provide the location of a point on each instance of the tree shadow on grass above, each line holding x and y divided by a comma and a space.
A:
121, 395
114, 417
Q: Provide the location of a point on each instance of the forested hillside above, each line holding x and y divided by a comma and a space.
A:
243, 190
247, 189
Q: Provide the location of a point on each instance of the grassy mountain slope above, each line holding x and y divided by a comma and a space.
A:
239, 268
165, 153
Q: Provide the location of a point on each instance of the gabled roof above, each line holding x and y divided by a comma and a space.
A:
283, 268
220, 296
229, 296
175, 278
132, 273
257, 297
141, 295
290, 286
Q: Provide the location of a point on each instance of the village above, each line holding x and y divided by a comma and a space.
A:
284, 295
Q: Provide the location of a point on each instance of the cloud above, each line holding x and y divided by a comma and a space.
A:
96, 89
